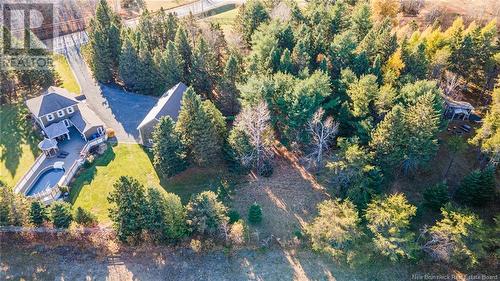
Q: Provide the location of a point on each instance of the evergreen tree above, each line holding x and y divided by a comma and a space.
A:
104, 42
184, 49
38, 213
203, 68
128, 208
389, 221
85, 218
436, 196
148, 82
458, 238
228, 100
168, 152
478, 188
250, 16
206, 214
129, 65
61, 215
171, 66
361, 22
336, 228
165, 216
14, 208
286, 65
255, 214
488, 136
197, 131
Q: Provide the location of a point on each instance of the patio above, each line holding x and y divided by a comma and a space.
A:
72, 147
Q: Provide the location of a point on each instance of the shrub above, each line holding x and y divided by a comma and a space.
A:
255, 214
234, 216
38, 213
267, 169
478, 187
61, 214
85, 218
436, 196
412, 7
237, 233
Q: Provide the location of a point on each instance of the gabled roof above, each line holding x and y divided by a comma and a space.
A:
85, 119
169, 104
52, 100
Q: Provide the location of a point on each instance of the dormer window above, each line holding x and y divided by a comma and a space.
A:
60, 113
70, 110
50, 117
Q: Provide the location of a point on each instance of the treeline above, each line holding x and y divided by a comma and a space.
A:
162, 51
385, 230
19, 210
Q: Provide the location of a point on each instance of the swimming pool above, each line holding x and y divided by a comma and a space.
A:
45, 180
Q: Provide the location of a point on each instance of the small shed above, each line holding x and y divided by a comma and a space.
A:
460, 109
49, 147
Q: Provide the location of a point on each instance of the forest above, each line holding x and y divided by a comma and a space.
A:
354, 93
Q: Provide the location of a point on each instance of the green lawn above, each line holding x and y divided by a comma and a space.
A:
91, 188
18, 143
225, 19
65, 74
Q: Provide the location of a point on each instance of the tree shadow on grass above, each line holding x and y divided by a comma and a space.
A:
87, 174
15, 130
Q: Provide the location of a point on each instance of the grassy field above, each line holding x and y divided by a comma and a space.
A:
225, 19
66, 76
18, 143
91, 188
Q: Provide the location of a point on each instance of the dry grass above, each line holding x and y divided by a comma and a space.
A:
288, 198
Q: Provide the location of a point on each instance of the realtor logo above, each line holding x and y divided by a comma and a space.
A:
27, 35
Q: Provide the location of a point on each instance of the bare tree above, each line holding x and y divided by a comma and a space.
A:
254, 122
451, 85
438, 246
322, 132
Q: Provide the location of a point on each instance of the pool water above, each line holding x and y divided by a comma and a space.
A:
46, 180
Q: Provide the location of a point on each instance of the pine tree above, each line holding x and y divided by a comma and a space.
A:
286, 65
128, 208
184, 49
165, 216
228, 101
361, 22
61, 215
255, 214
478, 188
203, 68
85, 218
197, 131
250, 16
129, 65
38, 213
104, 42
171, 66
168, 152
206, 214
389, 220
148, 76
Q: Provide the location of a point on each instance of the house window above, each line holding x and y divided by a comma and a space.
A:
66, 122
70, 110
50, 117
60, 113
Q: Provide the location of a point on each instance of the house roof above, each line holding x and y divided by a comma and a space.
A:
51, 100
56, 129
47, 144
169, 104
457, 104
85, 119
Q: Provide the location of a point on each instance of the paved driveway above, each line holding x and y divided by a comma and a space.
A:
118, 109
